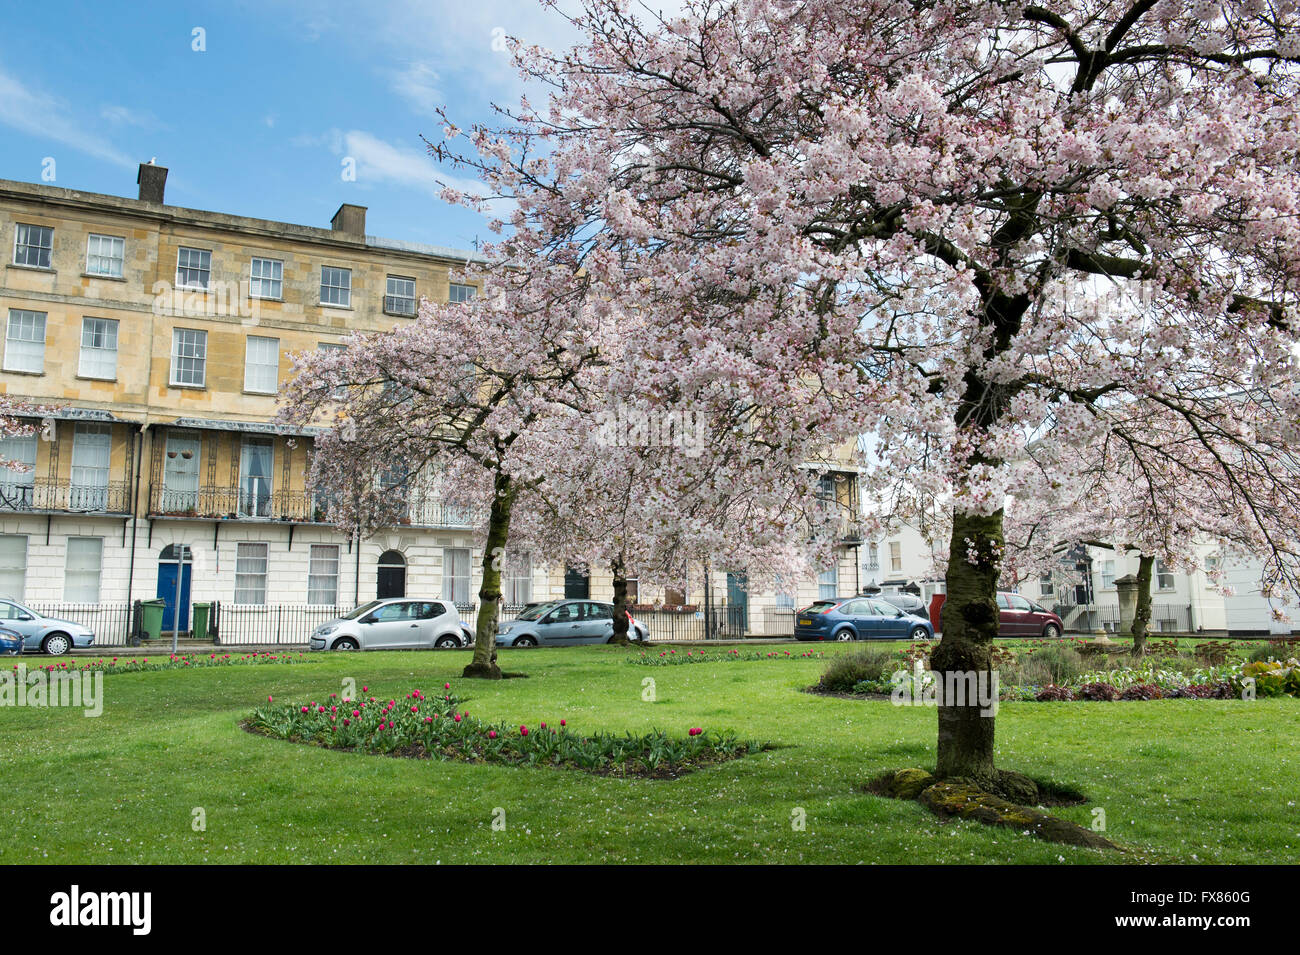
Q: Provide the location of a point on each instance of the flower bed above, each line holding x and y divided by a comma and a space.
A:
674, 658
195, 661
438, 727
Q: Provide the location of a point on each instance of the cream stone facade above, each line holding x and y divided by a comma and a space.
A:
157, 337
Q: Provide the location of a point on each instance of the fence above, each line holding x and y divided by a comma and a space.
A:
1165, 618
111, 622
280, 624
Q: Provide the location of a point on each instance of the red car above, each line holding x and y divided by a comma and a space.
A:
1020, 617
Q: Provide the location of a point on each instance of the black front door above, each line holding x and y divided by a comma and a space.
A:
392, 576
577, 585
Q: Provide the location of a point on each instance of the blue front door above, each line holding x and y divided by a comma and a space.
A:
737, 604
167, 592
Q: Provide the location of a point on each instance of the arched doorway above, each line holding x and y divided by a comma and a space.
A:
172, 561
392, 575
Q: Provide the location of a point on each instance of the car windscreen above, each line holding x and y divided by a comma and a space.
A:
533, 613
361, 611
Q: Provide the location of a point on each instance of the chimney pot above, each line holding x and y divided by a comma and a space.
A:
350, 219
152, 180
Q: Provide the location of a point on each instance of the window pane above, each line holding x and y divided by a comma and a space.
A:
323, 575
25, 341
104, 255
98, 348
255, 461
180, 474
13, 565
828, 583
335, 286
16, 485
189, 356
81, 577
250, 573
519, 580
399, 297
193, 268
33, 245
266, 278
262, 364
455, 574
461, 293
91, 450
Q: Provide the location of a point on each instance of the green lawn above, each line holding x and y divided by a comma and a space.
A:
1180, 781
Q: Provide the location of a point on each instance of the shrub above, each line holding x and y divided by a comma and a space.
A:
847, 670
1142, 691
1213, 651
1098, 692
1162, 648
1063, 664
1035, 672
1089, 649
1054, 694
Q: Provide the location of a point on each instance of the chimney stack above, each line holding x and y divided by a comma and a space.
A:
152, 180
350, 219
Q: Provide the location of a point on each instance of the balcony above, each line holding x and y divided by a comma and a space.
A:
255, 501
47, 496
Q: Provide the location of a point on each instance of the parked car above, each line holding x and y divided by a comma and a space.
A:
859, 618
563, 623
11, 643
395, 624
908, 603
42, 634
1020, 617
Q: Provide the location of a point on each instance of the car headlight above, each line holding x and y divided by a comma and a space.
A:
326, 630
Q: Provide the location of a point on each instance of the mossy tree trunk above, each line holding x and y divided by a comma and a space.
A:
1142, 613
484, 664
620, 602
970, 622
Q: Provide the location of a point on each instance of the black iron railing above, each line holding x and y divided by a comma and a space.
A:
42, 494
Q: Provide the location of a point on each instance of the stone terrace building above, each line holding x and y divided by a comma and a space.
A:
159, 336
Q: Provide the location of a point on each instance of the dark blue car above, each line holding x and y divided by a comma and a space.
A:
859, 618
11, 643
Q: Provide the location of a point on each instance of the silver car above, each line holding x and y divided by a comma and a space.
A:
395, 624
43, 634
564, 623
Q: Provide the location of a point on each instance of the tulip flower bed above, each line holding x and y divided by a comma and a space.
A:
438, 727
665, 658
194, 661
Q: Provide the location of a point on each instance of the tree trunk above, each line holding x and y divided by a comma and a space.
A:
484, 664
1142, 614
620, 603
970, 622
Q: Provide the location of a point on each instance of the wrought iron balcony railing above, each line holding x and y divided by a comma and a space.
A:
255, 500
43, 494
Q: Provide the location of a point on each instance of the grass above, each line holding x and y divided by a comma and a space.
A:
1180, 781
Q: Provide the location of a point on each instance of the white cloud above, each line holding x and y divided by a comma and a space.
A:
48, 118
125, 116
418, 85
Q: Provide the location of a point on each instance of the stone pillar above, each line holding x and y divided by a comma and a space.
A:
1127, 587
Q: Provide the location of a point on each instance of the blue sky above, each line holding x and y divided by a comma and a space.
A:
259, 122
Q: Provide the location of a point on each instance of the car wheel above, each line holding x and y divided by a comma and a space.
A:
57, 644
525, 642
346, 643
446, 642
1051, 631
469, 638
919, 633
845, 635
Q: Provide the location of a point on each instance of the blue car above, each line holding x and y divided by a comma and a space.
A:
859, 618
11, 643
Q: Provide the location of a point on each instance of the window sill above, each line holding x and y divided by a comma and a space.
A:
104, 278
49, 270
266, 298
174, 384
341, 308
400, 314
261, 394
19, 371
95, 378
